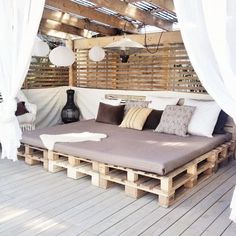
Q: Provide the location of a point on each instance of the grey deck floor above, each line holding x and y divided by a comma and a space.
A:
35, 202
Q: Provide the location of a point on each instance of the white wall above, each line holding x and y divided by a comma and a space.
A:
51, 101
88, 99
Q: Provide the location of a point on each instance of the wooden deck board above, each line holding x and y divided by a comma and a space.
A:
35, 202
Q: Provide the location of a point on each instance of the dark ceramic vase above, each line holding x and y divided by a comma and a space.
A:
70, 112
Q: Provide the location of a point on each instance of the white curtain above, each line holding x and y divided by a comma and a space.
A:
209, 35
19, 22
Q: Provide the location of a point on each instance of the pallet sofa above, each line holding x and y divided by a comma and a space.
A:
142, 161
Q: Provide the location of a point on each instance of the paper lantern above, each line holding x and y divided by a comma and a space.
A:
62, 56
96, 54
40, 49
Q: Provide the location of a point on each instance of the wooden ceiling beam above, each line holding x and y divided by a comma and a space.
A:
152, 39
76, 22
133, 12
165, 4
68, 6
57, 26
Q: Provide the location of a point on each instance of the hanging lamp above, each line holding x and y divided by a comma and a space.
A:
125, 47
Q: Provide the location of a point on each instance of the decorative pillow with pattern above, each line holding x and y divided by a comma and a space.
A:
136, 104
135, 118
175, 120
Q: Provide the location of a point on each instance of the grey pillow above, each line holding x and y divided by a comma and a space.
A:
175, 120
135, 104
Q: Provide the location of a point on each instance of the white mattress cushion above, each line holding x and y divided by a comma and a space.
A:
113, 102
160, 103
204, 117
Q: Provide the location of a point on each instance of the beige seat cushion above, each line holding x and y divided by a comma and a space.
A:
135, 118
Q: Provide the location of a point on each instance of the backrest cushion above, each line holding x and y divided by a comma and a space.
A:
175, 120
135, 104
153, 119
110, 114
220, 124
160, 103
21, 109
204, 118
135, 118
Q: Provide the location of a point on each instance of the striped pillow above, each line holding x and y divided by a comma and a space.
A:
135, 118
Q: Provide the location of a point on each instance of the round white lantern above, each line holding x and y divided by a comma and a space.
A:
96, 54
62, 56
40, 49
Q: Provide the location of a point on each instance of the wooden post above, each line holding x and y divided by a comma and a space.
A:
167, 198
29, 156
103, 171
193, 171
133, 191
70, 44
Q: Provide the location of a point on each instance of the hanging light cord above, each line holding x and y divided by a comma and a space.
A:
146, 45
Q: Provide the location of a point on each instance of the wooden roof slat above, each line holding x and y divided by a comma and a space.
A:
90, 13
47, 24
133, 12
76, 22
165, 4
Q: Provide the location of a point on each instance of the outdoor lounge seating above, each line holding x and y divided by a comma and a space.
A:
27, 120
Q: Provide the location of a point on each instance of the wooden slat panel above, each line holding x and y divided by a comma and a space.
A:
168, 69
43, 74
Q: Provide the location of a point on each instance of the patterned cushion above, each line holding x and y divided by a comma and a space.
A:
135, 118
136, 104
175, 120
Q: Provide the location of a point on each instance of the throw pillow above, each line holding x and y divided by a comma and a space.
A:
113, 102
175, 120
136, 104
160, 103
21, 109
153, 119
110, 114
220, 124
135, 118
204, 118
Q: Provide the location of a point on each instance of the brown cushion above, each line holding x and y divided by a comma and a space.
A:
153, 119
21, 109
110, 114
135, 118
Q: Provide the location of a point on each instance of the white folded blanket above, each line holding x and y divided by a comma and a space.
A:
50, 140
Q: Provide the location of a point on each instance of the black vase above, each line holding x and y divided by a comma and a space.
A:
70, 112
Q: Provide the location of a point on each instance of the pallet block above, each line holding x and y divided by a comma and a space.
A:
172, 186
76, 167
33, 155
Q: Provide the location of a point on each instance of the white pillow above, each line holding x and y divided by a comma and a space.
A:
113, 102
204, 117
160, 103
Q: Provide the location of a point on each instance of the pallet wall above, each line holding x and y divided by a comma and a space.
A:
167, 69
43, 74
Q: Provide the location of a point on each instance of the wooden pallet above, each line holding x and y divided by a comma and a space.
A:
76, 167
33, 155
171, 187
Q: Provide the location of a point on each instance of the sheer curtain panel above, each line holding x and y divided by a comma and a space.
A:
207, 28
209, 35
19, 22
